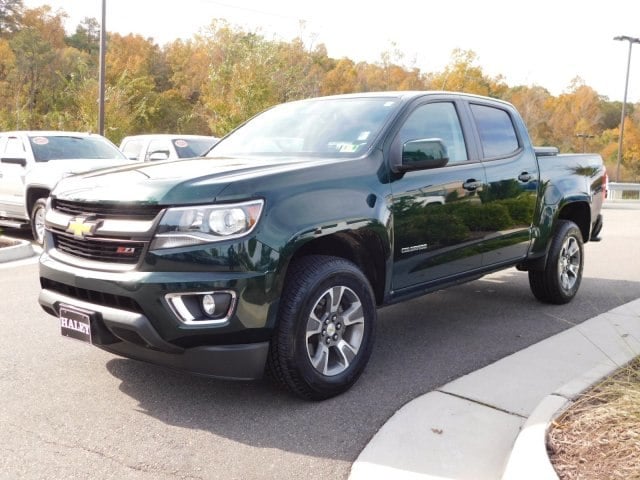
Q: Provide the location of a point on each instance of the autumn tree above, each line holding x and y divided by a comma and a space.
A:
48, 24
533, 104
219, 78
573, 113
240, 79
463, 75
342, 78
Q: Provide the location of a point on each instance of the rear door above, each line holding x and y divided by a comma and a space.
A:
509, 199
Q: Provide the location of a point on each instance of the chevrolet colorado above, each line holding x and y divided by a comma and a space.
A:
274, 251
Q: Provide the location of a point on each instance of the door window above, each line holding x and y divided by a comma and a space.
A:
437, 120
497, 134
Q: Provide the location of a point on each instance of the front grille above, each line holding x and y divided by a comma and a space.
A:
109, 239
92, 296
107, 210
99, 249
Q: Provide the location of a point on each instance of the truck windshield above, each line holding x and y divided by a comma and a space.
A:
59, 147
325, 127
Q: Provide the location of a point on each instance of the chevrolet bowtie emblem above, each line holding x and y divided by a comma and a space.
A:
80, 227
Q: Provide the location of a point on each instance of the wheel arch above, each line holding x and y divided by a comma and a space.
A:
33, 194
580, 214
364, 248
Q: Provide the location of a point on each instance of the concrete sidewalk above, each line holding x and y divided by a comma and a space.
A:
491, 424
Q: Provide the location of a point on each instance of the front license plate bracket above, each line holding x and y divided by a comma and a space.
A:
75, 323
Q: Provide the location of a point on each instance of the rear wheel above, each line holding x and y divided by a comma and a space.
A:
325, 328
37, 220
558, 283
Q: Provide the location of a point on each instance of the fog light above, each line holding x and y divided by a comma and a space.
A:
209, 305
203, 308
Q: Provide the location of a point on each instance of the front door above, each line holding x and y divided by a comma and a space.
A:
434, 210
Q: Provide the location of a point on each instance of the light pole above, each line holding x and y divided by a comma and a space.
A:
584, 137
631, 41
103, 42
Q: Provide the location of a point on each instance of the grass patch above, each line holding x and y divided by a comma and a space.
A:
598, 437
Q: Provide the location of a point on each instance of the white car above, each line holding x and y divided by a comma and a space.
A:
163, 146
32, 162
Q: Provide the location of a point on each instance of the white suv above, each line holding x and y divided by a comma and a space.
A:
32, 162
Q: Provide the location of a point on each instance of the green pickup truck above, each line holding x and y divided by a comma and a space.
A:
274, 251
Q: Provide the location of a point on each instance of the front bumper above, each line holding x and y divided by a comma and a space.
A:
132, 318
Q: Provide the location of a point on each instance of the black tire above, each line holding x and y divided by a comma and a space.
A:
37, 220
326, 327
560, 280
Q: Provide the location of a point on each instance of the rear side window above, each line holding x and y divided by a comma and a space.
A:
497, 134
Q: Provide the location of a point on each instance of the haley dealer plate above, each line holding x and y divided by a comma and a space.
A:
75, 323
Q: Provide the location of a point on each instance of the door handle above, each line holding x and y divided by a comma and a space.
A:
471, 184
525, 177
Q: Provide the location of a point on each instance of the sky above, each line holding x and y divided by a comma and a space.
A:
543, 42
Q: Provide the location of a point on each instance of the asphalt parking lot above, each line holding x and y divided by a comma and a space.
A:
74, 411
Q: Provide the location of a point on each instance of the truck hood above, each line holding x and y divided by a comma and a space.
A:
48, 173
178, 182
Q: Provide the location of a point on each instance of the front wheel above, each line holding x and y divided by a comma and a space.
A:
558, 283
325, 328
37, 220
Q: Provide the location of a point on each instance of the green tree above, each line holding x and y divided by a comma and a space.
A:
10, 17
86, 37
32, 76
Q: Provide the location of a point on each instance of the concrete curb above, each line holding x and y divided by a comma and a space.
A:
492, 423
529, 459
23, 249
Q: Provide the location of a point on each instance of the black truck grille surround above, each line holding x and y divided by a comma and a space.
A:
112, 250
121, 250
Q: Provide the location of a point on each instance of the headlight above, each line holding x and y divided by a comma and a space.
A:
183, 226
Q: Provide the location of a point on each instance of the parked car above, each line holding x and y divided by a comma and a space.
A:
154, 147
32, 162
276, 249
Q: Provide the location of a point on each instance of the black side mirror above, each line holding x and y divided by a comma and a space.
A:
22, 161
423, 154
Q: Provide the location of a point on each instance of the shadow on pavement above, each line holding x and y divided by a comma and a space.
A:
420, 346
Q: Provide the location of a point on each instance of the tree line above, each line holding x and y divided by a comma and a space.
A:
220, 77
